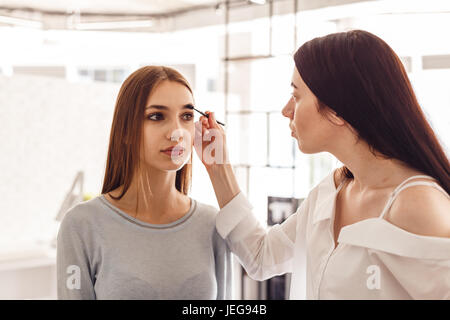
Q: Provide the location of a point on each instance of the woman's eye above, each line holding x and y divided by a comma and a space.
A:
155, 116
188, 116
159, 116
294, 97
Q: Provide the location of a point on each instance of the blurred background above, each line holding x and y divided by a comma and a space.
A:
62, 63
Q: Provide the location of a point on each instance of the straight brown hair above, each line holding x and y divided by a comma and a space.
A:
358, 76
123, 160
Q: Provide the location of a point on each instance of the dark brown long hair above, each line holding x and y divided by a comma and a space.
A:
126, 131
358, 76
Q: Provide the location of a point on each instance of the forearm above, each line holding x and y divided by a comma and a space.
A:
224, 183
264, 252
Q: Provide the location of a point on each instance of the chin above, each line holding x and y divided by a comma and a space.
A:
175, 164
306, 149
168, 167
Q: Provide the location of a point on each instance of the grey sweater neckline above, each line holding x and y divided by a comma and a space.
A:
150, 225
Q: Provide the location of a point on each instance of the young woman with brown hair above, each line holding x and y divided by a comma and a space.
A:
144, 237
377, 228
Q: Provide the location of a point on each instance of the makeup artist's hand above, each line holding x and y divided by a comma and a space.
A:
210, 141
211, 147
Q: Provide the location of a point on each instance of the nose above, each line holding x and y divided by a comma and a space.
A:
175, 132
288, 110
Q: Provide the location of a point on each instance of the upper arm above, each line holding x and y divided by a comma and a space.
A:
422, 210
74, 279
223, 267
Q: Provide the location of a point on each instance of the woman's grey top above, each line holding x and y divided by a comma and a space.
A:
104, 253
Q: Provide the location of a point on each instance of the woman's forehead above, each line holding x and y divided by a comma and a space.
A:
297, 81
170, 93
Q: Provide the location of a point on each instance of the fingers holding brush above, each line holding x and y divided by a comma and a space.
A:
212, 121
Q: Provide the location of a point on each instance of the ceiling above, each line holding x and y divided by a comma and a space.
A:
106, 7
140, 15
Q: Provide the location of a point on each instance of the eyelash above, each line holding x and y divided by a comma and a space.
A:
159, 114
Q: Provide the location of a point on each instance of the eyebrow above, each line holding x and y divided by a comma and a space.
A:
293, 85
161, 107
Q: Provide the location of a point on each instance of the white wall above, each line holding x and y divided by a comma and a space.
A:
49, 130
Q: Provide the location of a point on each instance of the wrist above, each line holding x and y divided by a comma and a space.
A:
218, 169
224, 183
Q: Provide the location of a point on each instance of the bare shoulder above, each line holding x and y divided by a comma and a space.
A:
423, 210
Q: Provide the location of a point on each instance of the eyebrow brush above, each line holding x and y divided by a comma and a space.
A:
204, 114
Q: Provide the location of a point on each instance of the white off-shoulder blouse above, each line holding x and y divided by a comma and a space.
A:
373, 259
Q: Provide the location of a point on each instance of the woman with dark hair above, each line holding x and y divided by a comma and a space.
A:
144, 237
377, 228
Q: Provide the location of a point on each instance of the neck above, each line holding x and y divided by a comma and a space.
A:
372, 172
154, 194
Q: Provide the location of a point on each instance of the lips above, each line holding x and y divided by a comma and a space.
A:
174, 150
292, 130
291, 126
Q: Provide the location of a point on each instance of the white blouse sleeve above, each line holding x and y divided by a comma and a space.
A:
419, 265
421, 278
263, 252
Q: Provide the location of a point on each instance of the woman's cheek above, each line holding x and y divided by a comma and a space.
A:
299, 120
192, 131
